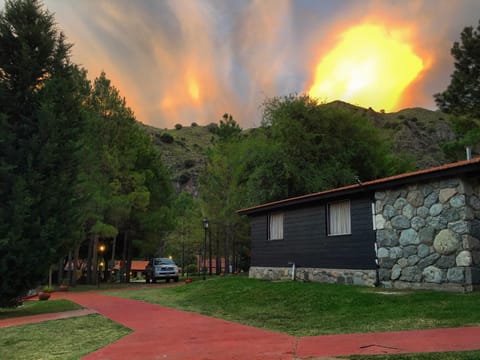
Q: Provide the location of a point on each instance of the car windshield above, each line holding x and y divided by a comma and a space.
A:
163, 262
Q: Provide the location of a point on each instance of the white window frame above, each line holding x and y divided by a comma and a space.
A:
275, 226
335, 225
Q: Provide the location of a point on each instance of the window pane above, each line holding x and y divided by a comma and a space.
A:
276, 226
339, 218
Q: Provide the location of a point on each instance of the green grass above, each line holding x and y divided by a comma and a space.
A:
461, 355
38, 307
303, 309
60, 339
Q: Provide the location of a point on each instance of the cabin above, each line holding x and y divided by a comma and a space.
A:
416, 230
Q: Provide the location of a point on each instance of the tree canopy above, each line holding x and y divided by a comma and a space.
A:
42, 121
320, 146
75, 165
462, 96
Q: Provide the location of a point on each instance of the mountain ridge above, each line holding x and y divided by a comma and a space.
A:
416, 132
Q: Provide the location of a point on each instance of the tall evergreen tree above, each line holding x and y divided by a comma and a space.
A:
220, 189
131, 187
462, 96
40, 128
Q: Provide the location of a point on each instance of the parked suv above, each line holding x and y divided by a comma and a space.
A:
161, 268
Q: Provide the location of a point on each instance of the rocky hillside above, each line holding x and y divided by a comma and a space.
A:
415, 132
183, 152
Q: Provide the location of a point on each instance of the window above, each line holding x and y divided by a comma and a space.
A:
339, 218
275, 226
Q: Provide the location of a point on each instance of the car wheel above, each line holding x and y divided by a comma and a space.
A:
154, 280
167, 280
176, 279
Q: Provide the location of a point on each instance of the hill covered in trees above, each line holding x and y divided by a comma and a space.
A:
416, 133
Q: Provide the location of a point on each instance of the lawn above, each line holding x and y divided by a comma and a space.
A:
303, 309
38, 307
59, 339
466, 355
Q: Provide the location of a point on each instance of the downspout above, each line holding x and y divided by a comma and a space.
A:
377, 266
468, 150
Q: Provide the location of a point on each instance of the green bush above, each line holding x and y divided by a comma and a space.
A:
191, 268
189, 163
183, 178
178, 126
213, 128
166, 138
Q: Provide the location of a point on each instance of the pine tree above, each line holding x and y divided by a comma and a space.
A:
462, 96
40, 129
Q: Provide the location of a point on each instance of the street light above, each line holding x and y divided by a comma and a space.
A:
101, 249
205, 226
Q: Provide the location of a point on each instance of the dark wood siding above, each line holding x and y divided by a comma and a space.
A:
306, 242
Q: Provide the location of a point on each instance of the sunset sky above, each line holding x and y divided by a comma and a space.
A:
184, 61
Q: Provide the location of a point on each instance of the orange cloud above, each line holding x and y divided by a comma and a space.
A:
183, 61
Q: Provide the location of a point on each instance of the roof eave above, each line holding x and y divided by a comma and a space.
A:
449, 170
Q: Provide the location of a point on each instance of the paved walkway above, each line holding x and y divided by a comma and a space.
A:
164, 333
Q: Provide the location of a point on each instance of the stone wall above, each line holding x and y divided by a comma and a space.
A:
427, 235
330, 276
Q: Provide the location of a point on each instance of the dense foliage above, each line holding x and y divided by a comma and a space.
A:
302, 147
322, 147
75, 166
462, 96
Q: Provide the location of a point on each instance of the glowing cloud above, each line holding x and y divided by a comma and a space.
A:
369, 66
193, 89
184, 61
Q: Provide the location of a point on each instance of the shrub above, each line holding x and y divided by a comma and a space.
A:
183, 178
191, 268
178, 126
213, 128
166, 138
194, 124
189, 163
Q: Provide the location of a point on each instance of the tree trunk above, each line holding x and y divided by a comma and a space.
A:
114, 244
219, 263
76, 266
123, 268
89, 261
227, 252
129, 259
61, 267
209, 252
69, 268
95, 259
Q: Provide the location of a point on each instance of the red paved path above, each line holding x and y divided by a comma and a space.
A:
164, 333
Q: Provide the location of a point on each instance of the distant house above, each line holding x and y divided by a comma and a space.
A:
414, 230
137, 267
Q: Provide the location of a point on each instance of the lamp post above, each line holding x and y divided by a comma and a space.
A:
101, 249
204, 267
